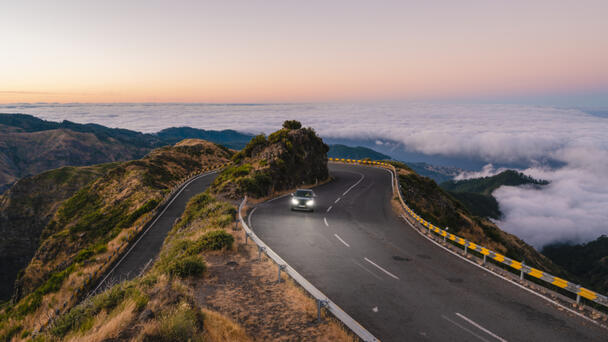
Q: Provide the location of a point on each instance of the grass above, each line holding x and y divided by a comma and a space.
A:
216, 240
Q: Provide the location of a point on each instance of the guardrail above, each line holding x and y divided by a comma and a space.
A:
112, 258
520, 266
321, 299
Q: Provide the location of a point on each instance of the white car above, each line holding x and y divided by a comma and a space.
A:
303, 199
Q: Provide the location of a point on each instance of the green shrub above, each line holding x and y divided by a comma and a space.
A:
192, 265
216, 240
259, 141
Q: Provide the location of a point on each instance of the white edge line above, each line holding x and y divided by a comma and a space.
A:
338, 200
505, 278
149, 227
381, 269
478, 326
339, 238
325, 220
463, 328
328, 209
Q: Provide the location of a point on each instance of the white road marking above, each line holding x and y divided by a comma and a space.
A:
249, 217
325, 220
381, 269
328, 209
354, 185
339, 238
150, 226
502, 277
375, 309
480, 327
368, 271
336, 201
465, 329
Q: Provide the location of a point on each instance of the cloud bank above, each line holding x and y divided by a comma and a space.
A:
574, 207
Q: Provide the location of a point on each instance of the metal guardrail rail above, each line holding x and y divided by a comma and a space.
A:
322, 299
520, 266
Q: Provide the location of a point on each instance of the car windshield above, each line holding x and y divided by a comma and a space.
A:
303, 193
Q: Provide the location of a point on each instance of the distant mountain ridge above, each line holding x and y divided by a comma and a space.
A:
476, 193
358, 152
29, 145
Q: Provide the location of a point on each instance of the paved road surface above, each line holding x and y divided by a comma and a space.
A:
396, 283
144, 251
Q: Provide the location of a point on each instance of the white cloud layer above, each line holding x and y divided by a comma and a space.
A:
574, 207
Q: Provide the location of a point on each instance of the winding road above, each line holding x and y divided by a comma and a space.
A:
144, 250
396, 283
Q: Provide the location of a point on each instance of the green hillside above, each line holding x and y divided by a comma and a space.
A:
588, 261
359, 152
476, 193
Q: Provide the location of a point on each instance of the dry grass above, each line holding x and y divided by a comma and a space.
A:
249, 295
108, 326
220, 328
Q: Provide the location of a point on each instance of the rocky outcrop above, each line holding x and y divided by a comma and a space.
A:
284, 160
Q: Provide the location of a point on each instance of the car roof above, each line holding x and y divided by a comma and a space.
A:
310, 190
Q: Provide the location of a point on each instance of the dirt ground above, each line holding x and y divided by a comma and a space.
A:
244, 288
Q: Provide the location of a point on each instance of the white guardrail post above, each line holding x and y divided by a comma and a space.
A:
320, 298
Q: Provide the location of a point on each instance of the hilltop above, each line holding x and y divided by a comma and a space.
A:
476, 193
358, 152
287, 158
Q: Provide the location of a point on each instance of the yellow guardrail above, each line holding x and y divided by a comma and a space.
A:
574, 288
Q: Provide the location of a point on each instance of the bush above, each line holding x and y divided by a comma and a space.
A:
292, 124
259, 142
181, 324
216, 240
187, 266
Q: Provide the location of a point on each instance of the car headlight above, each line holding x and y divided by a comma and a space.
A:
294, 201
310, 203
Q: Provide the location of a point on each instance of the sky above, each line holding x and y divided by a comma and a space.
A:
543, 51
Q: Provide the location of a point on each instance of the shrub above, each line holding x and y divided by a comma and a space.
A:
216, 240
181, 324
192, 265
259, 141
292, 124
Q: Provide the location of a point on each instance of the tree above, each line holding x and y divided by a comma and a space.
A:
292, 124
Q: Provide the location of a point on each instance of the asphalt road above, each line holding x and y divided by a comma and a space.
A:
142, 253
396, 283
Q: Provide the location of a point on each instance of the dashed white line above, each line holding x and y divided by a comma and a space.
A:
480, 327
368, 271
325, 220
328, 209
465, 329
502, 277
338, 200
339, 238
354, 185
381, 269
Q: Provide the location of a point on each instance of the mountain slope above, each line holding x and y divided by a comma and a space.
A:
588, 262
359, 152
229, 138
437, 206
29, 145
27, 208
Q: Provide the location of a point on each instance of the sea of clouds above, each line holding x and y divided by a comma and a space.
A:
572, 208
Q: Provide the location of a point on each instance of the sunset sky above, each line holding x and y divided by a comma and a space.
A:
301, 51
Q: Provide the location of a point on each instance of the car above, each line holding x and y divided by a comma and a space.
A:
303, 199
